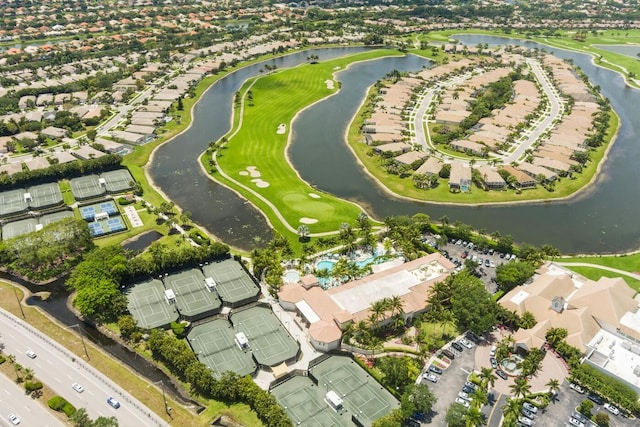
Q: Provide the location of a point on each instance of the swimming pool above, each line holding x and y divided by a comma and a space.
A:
329, 264
325, 265
291, 276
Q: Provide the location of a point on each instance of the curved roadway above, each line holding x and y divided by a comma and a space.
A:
56, 367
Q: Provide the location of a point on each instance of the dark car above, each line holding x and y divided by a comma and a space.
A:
449, 354
494, 362
501, 374
435, 369
595, 398
468, 390
457, 346
472, 337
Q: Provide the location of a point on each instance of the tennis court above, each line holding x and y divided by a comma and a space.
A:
234, 285
117, 181
147, 305
55, 216
107, 226
304, 403
360, 393
89, 212
215, 346
45, 195
193, 298
270, 342
18, 228
12, 202
86, 187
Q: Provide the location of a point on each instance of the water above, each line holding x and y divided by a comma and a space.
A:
142, 241
176, 171
602, 219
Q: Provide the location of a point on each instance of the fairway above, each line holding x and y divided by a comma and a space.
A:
254, 160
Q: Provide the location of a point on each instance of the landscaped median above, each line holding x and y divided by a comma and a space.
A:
253, 161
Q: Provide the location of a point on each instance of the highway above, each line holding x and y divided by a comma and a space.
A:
13, 400
58, 368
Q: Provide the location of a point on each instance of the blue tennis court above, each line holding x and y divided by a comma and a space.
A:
96, 229
87, 212
90, 212
108, 207
115, 224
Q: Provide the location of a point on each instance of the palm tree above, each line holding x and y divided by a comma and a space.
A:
520, 387
474, 417
480, 397
396, 305
511, 410
488, 379
554, 386
28, 374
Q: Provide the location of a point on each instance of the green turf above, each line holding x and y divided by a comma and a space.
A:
253, 142
595, 273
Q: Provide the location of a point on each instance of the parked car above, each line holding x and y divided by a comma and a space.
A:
31, 354
487, 263
529, 407
575, 422
14, 419
528, 414
494, 362
113, 402
430, 377
595, 398
576, 387
578, 416
468, 390
465, 396
525, 421
492, 352
472, 337
463, 402
491, 251
471, 385
448, 353
435, 369
501, 374
612, 409
492, 264
466, 343
457, 346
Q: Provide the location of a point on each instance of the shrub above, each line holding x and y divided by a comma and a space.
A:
602, 419
2, 359
31, 386
59, 404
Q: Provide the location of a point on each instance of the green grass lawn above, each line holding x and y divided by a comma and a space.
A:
630, 263
595, 273
254, 147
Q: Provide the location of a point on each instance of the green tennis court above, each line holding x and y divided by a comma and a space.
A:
304, 402
55, 216
233, 284
18, 228
45, 195
215, 346
86, 187
269, 341
12, 202
117, 181
194, 300
147, 304
360, 393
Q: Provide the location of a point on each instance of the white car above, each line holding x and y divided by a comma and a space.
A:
493, 350
576, 422
463, 402
529, 407
466, 343
31, 354
612, 409
525, 421
430, 377
14, 419
465, 396
576, 387
492, 264
77, 387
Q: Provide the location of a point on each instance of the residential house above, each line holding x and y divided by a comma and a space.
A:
460, 178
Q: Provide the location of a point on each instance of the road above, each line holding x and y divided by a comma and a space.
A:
56, 367
31, 412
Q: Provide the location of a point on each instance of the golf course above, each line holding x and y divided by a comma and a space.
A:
252, 158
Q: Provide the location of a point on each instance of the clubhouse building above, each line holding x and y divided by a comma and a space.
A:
326, 312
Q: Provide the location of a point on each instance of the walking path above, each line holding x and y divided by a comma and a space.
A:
601, 267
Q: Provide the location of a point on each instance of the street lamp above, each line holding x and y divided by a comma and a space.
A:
84, 346
167, 409
15, 291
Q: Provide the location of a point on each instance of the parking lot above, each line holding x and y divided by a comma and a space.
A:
559, 411
450, 383
458, 251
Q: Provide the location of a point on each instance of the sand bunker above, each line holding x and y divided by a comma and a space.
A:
308, 220
243, 173
253, 171
260, 183
329, 84
314, 196
282, 128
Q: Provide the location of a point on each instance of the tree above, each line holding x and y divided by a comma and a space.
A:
511, 410
474, 417
105, 422
512, 274
555, 335
585, 407
417, 398
80, 418
471, 304
602, 419
554, 386
487, 376
527, 320
456, 415
92, 134
397, 372
101, 301
303, 233
520, 387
